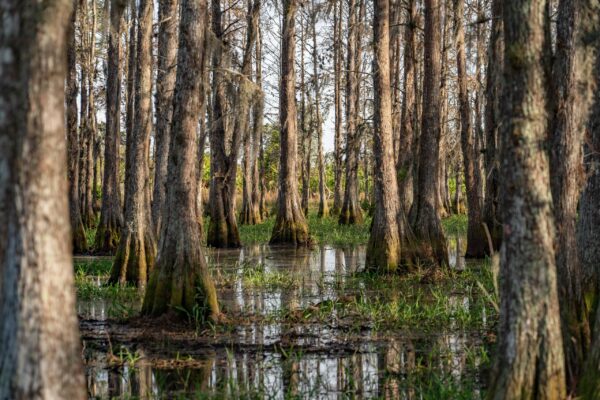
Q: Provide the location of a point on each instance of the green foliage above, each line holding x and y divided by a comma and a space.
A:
455, 225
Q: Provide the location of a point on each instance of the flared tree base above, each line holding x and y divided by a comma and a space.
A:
181, 281
223, 234
107, 238
477, 244
350, 215
290, 232
134, 259
430, 247
250, 216
80, 244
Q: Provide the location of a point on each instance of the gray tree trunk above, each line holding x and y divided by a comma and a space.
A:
476, 238
181, 277
529, 360
135, 255
165, 85
290, 224
111, 218
431, 247
40, 350
383, 250
572, 89
80, 244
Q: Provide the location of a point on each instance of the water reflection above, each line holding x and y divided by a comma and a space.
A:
276, 361
380, 372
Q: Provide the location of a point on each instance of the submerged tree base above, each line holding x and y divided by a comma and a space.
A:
223, 234
134, 259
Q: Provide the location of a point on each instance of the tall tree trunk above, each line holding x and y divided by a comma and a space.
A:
249, 214
323, 207
222, 228
165, 85
135, 255
337, 95
80, 244
305, 132
529, 360
476, 239
181, 278
383, 250
130, 105
408, 119
491, 214
572, 75
88, 215
429, 235
290, 224
351, 212
111, 218
257, 128
588, 231
40, 351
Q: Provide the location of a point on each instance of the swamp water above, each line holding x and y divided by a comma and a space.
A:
302, 323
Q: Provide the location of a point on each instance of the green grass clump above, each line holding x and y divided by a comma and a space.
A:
455, 224
256, 276
96, 266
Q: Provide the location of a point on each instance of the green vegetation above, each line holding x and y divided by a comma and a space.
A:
455, 225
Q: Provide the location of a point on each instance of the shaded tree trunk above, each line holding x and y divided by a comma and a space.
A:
165, 85
323, 207
408, 117
337, 96
137, 245
40, 351
290, 224
257, 129
588, 232
572, 75
351, 212
111, 218
491, 214
130, 106
181, 278
383, 250
222, 228
476, 239
430, 242
80, 244
249, 214
529, 360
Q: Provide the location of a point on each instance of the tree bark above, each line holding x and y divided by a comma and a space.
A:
165, 85
588, 232
408, 117
137, 245
383, 250
40, 350
476, 238
111, 218
430, 241
222, 229
257, 129
80, 244
491, 214
130, 105
529, 360
337, 96
249, 214
571, 88
351, 213
290, 224
181, 278
323, 206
